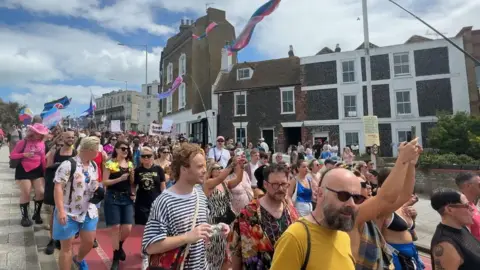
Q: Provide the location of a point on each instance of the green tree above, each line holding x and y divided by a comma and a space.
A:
458, 134
9, 112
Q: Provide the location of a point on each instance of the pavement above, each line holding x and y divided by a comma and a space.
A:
23, 248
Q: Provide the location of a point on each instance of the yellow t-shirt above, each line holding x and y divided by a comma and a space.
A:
329, 249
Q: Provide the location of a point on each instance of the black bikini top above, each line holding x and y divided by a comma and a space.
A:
398, 224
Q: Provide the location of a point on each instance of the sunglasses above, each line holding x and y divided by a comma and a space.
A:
124, 149
146, 156
220, 141
217, 168
113, 139
87, 177
166, 152
60, 145
344, 196
365, 185
464, 206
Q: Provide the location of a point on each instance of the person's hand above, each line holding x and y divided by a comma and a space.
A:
408, 151
410, 210
202, 231
28, 154
419, 152
62, 217
124, 176
225, 229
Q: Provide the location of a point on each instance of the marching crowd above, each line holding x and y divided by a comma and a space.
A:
224, 206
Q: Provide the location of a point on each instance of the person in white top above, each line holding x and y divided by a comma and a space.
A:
252, 166
264, 145
219, 153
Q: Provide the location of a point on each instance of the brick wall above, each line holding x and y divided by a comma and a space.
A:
428, 180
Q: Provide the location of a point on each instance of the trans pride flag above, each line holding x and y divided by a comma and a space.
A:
210, 27
244, 38
51, 117
178, 81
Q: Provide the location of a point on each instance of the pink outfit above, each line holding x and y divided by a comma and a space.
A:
475, 227
108, 148
35, 147
242, 194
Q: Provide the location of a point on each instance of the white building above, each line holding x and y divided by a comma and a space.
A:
410, 83
150, 105
124, 105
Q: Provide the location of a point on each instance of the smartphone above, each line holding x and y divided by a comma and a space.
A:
413, 134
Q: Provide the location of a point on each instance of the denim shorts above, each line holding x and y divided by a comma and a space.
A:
118, 208
68, 231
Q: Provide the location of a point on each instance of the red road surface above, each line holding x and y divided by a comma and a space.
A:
101, 257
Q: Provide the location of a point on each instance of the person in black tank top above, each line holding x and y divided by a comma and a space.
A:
453, 246
54, 159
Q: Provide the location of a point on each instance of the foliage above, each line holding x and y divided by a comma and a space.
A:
9, 113
429, 159
458, 134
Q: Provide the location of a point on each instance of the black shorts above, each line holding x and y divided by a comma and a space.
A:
21, 174
141, 215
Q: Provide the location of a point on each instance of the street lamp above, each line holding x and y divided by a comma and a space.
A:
146, 57
125, 108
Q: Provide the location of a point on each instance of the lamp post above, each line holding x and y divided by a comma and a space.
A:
125, 109
146, 57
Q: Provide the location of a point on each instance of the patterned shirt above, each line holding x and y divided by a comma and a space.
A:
82, 191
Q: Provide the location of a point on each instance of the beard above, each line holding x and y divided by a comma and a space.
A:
341, 219
277, 196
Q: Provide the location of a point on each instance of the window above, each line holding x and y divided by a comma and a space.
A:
148, 114
243, 74
159, 89
404, 105
160, 106
351, 138
182, 64
240, 104
348, 71
401, 64
241, 135
169, 104
149, 90
287, 99
404, 136
182, 96
129, 98
350, 106
169, 73
149, 104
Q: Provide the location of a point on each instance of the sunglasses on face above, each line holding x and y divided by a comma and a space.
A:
60, 145
124, 149
166, 152
146, 156
220, 141
113, 140
344, 196
464, 206
217, 168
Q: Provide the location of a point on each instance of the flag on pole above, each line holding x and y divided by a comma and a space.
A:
60, 103
91, 109
52, 117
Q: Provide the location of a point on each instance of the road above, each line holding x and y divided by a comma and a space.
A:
22, 248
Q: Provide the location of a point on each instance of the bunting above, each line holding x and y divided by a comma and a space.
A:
244, 38
178, 81
210, 27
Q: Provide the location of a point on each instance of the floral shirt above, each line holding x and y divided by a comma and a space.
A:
252, 234
82, 191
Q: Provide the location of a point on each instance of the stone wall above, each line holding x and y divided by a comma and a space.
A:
430, 179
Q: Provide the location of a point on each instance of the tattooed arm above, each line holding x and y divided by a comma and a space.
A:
446, 257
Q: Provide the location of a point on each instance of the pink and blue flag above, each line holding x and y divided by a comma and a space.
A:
178, 81
52, 117
244, 38
210, 27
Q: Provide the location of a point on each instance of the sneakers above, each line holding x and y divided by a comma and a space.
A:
144, 262
26, 222
50, 247
80, 265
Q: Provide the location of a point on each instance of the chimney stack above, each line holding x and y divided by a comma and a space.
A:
290, 52
182, 22
337, 48
183, 25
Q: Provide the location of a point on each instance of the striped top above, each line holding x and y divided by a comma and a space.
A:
171, 215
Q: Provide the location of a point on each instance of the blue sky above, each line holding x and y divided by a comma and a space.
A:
52, 48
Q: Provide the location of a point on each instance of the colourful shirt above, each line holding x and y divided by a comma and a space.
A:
35, 147
475, 227
84, 186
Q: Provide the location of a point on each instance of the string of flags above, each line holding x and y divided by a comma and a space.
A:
210, 27
175, 85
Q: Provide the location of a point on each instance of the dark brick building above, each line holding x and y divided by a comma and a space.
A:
199, 61
262, 100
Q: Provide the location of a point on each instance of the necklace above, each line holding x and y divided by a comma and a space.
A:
316, 220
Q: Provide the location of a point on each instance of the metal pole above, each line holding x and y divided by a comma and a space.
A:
368, 71
146, 64
203, 103
125, 108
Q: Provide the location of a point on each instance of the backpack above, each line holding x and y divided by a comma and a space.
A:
307, 257
48, 197
15, 162
73, 168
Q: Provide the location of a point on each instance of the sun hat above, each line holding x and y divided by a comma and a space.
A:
39, 129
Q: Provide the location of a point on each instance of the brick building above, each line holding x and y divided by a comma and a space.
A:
199, 62
261, 100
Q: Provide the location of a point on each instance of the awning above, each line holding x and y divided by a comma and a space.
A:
292, 124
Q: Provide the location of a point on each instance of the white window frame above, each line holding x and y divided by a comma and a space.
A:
169, 73
237, 125
401, 64
403, 102
182, 64
240, 70
349, 71
351, 132
406, 133
169, 104
235, 103
344, 105
287, 89
182, 98
148, 105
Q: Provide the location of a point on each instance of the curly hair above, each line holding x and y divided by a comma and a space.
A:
182, 157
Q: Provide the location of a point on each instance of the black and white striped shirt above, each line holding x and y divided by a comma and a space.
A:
171, 215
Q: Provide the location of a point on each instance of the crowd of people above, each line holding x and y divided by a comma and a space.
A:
224, 206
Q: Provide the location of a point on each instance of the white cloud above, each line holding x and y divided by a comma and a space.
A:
123, 16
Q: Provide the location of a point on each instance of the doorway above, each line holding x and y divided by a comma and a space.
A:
293, 135
267, 134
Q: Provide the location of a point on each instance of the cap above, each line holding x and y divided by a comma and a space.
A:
329, 161
220, 138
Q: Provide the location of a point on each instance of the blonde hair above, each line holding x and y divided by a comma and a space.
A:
89, 143
182, 156
146, 149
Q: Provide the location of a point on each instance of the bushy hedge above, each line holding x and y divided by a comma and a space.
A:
430, 159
